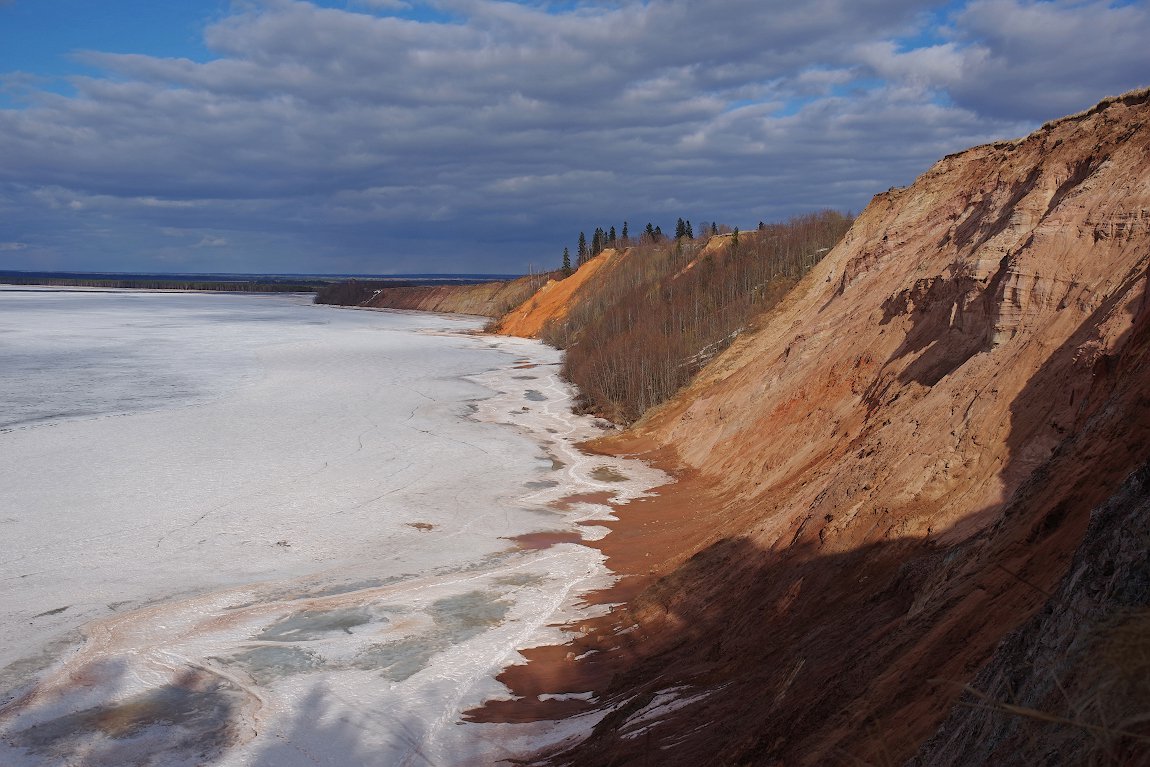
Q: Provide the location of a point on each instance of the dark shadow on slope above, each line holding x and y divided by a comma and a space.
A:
1082, 419
945, 330
813, 657
764, 634
1072, 685
979, 227
1077, 671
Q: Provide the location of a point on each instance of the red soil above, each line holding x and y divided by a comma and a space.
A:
886, 475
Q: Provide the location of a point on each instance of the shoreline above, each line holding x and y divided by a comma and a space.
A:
494, 598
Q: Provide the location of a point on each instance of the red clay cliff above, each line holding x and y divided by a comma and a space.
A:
887, 474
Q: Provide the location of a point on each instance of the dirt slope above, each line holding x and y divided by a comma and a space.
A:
891, 472
490, 299
552, 301
1084, 658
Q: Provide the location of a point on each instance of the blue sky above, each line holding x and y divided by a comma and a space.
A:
393, 136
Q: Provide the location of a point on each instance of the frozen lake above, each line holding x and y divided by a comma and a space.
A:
252, 531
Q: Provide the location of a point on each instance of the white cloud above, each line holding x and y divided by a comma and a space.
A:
1027, 59
329, 133
12, 246
388, 5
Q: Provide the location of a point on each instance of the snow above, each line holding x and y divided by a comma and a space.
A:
663, 703
279, 530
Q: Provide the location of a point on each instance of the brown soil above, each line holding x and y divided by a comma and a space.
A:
489, 299
552, 301
567, 502
888, 473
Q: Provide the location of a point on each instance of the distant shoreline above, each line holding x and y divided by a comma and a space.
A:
238, 282
10, 288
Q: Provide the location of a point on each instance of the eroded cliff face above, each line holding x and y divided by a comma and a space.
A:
1072, 684
552, 301
892, 470
488, 299
917, 339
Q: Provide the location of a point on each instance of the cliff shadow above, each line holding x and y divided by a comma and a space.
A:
805, 655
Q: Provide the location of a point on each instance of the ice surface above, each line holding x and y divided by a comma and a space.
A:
281, 531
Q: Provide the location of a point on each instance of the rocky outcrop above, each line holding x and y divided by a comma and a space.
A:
890, 471
488, 299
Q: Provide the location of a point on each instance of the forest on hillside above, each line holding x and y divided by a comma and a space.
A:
650, 322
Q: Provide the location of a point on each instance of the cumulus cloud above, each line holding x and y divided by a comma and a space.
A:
1026, 59
387, 5
483, 135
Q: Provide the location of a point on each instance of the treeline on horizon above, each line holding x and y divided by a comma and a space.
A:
602, 239
160, 284
355, 292
653, 318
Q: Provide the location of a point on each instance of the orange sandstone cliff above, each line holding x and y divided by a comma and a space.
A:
888, 474
551, 302
521, 307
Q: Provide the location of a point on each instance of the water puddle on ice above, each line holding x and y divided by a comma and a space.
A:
190, 721
415, 572
608, 474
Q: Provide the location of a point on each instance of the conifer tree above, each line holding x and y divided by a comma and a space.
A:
611, 237
625, 233
680, 229
714, 228
690, 232
582, 257
566, 262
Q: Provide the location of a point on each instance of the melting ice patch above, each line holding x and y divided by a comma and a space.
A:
314, 562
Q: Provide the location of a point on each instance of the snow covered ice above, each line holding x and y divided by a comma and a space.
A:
251, 531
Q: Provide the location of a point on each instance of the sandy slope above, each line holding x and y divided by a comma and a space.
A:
487, 299
552, 301
892, 469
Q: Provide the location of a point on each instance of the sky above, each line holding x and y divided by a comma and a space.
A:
399, 136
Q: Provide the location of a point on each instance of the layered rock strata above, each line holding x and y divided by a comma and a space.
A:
890, 472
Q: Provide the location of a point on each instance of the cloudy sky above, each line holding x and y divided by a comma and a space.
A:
390, 136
